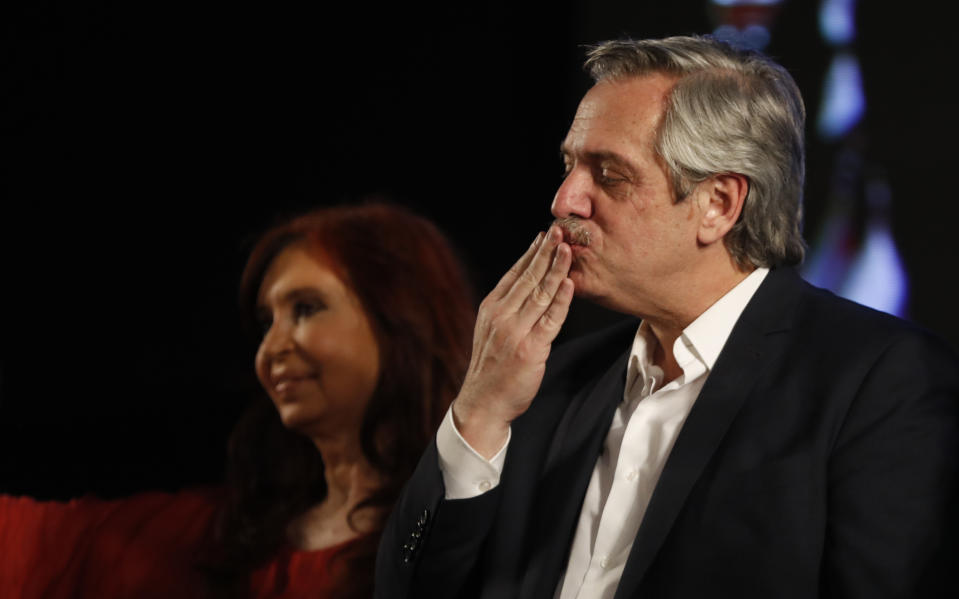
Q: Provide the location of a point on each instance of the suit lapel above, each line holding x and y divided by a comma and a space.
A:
743, 358
570, 460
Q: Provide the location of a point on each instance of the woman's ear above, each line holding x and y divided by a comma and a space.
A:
721, 200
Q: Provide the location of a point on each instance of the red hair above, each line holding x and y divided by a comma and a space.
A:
421, 308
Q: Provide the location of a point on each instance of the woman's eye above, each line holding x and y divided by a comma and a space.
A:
305, 309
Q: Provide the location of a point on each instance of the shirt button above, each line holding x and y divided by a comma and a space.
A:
484, 486
631, 475
604, 563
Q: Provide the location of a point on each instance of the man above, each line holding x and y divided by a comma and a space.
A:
753, 436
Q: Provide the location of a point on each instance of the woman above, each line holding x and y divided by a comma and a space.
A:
366, 322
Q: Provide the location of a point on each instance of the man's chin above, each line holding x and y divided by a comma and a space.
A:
586, 287
581, 283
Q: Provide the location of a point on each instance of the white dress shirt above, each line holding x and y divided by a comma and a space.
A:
642, 434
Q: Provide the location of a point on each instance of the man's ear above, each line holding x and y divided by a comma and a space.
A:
721, 200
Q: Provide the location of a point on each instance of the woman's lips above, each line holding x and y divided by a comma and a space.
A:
282, 384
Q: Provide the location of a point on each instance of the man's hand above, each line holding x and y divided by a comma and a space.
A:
515, 327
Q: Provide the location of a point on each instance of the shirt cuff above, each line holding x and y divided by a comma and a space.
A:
465, 472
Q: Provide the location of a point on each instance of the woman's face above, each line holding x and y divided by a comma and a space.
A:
318, 360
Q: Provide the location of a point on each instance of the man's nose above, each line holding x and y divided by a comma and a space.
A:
573, 196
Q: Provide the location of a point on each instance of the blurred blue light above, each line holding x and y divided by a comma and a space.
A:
837, 21
754, 37
877, 278
870, 272
843, 102
726, 33
828, 259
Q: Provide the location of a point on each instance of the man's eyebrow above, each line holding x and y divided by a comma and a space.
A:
613, 157
601, 156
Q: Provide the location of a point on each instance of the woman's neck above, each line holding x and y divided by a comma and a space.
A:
349, 480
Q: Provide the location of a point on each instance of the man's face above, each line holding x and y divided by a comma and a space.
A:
639, 240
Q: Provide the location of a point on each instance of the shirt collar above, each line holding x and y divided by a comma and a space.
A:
707, 335
701, 341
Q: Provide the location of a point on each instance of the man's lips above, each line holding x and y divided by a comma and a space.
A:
574, 241
574, 233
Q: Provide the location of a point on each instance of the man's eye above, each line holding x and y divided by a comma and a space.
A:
610, 177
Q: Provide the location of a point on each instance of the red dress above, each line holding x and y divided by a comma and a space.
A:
143, 546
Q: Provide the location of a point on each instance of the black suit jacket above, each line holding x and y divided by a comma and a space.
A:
819, 460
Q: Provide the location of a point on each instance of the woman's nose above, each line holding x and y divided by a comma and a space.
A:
277, 340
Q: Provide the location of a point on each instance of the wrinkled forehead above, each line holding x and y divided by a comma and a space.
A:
623, 111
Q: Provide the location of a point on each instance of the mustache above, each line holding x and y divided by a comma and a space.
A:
574, 230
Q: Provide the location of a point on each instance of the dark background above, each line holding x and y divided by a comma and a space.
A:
146, 145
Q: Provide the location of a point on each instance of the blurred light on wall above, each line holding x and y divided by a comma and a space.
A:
837, 21
843, 103
856, 260
755, 37
854, 254
876, 278
744, 23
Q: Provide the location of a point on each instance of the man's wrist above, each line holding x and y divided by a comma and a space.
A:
483, 431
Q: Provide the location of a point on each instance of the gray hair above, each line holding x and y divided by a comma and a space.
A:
731, 111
